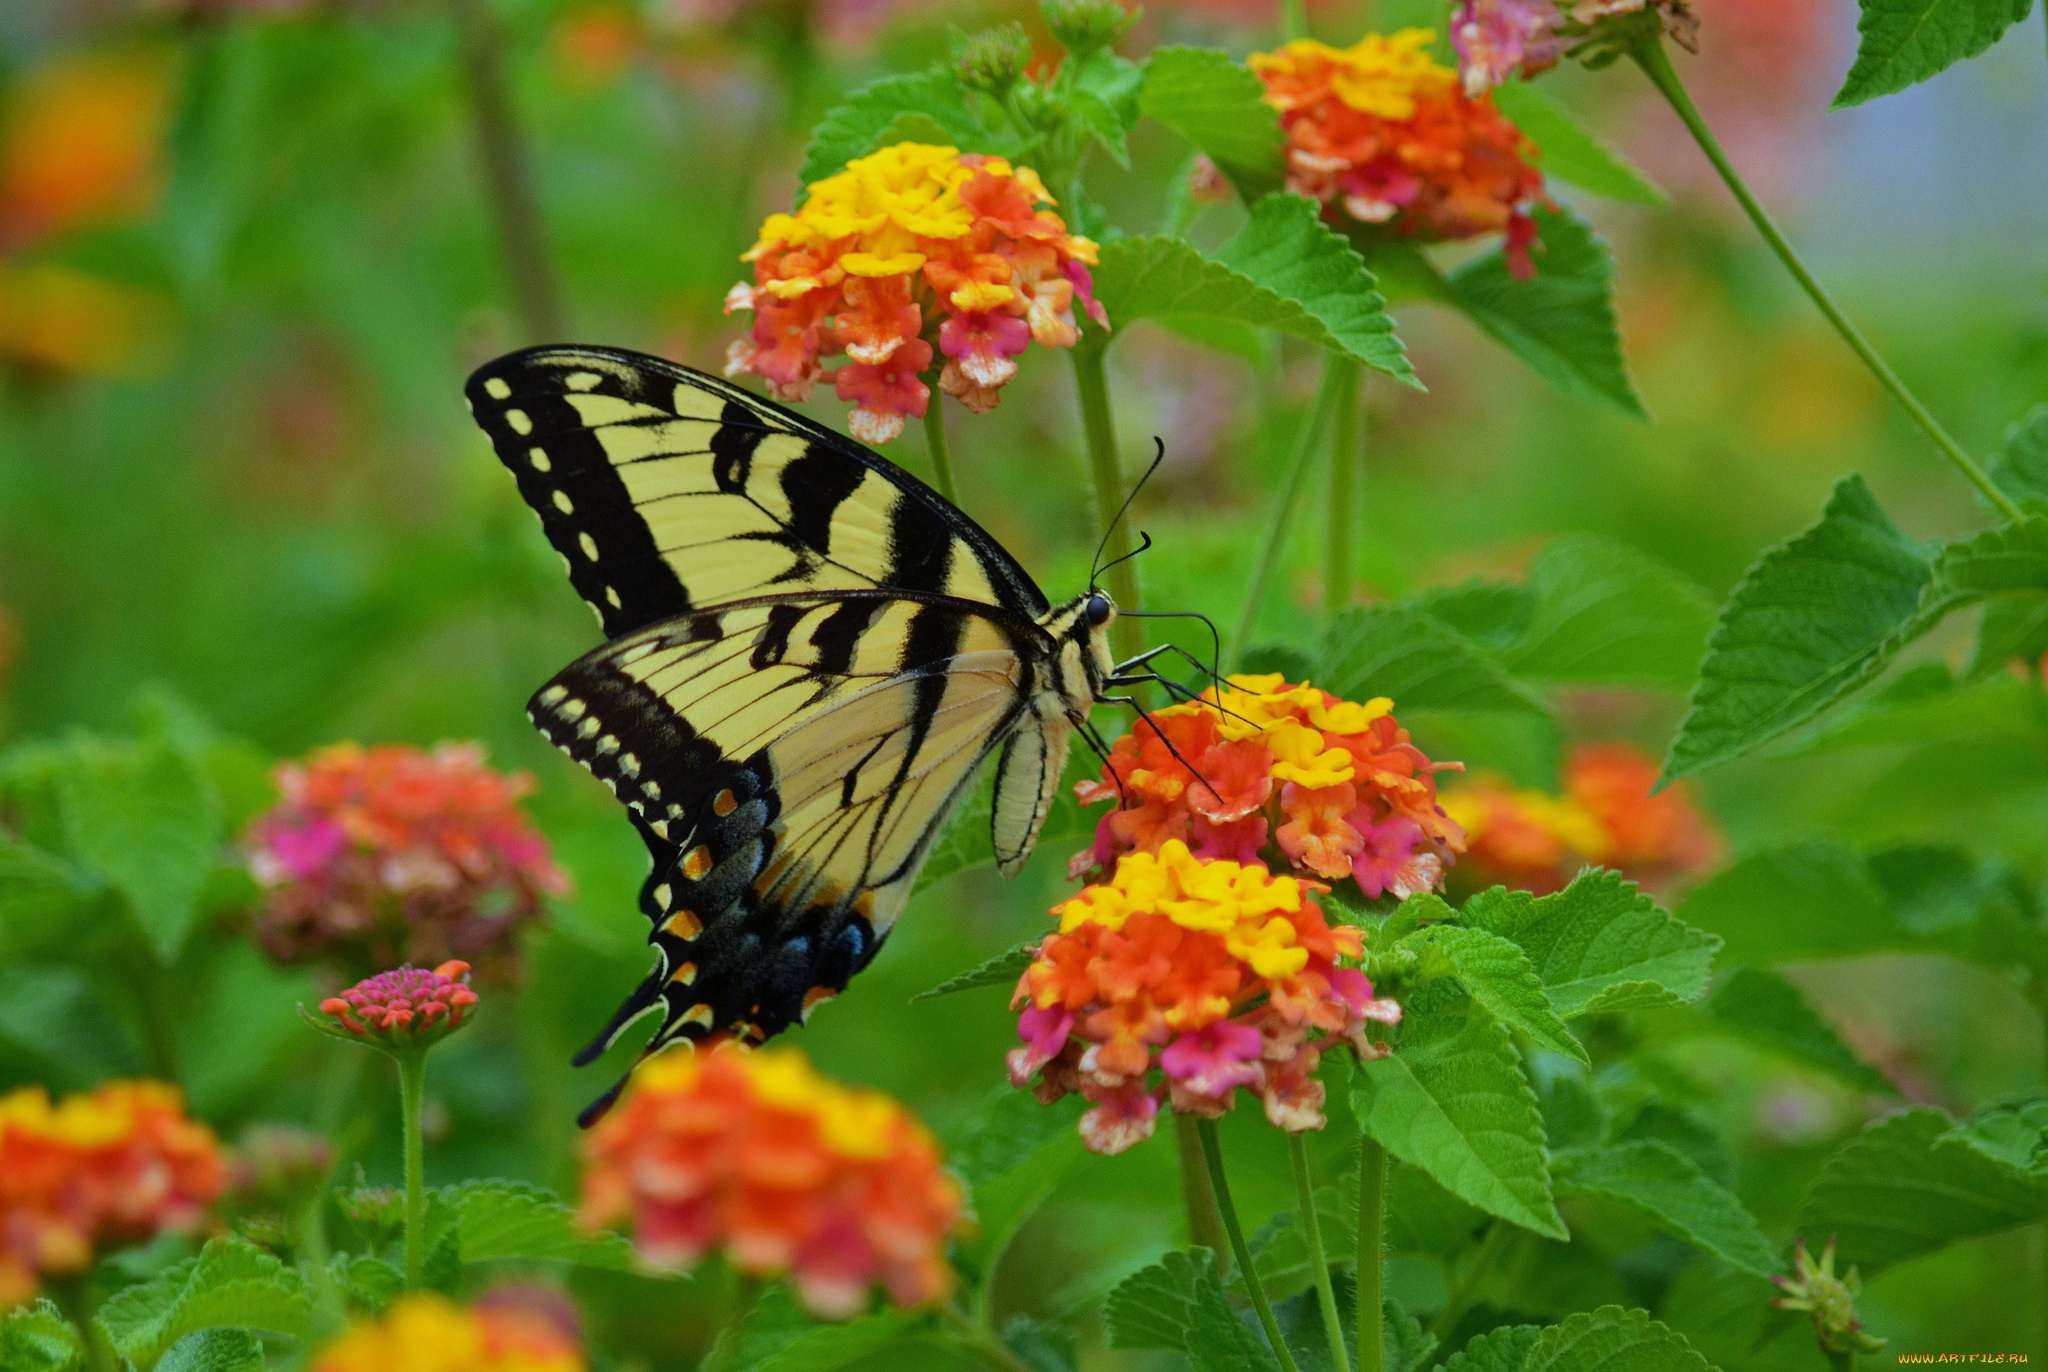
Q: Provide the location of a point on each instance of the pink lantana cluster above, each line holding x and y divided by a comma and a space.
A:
407, 1008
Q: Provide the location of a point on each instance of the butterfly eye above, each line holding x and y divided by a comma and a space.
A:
1098, 610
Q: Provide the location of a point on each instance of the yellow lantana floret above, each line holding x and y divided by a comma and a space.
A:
1379, 75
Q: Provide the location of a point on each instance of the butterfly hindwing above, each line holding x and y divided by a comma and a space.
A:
667, 490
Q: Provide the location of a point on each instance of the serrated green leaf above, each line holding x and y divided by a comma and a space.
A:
1600, 944
1001, 970
215, 1350
777, 1336
368, 1283
2021, 469
1041, 1344
1452, 1101
1505, 1349
1178, 1303
232, 1284
1169, 278
37, 1338
1810, 898
1813, 620
2013, 630
1908, 1186
1601, 612
1904, 42
1421, 663
867, 121
1493, 614
1764, 1008
1612, 1339
1104, 100
1287, 248
509, 1219
1560, 321
1218, 105
1500, 977
1573, 152
2013, 1132
1661, 1183
143, 818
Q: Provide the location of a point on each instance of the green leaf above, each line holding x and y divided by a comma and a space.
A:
1169, 279
1573, 152
368, 1283
1812, 621
1910, 1185
1759, 1005
1500, 977
868, 120
1280, 1248
1178, 1303
1104, 100
37, 1338
215, 1350
1220, 106
777, 1336
56, 1018
2021, 470
1422, 1217
1001, 970
1600, 944
1287, 248
1452, 1101
1612, 1339
1506, 1349
1661, 1183
1811, 898
145, 820
2012, 630
1017, 1153
1493, 614
1405, 1344
1560, 321
1601, 612
2014, 1132
1906, 41
232, 1284
1421, 663
509, 1219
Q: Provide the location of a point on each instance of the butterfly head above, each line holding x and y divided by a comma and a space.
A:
1083, 661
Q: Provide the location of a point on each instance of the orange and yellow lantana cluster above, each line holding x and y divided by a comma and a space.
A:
106, 1167
907, 247
1385, 133
393, 854
1214, 973
1328, 788
430, 1333
1604, 817
753, 1153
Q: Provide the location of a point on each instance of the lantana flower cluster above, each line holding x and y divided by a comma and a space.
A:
391, 854
406, 1008
1382, 133
755, 1154
103, 1168
909, 247
1286, 776
1213, 975
425, 1332
1605, 816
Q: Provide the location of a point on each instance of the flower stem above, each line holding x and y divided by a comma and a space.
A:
508, 175
1212, 1150
1091, 379
1372, 1228
412, 1081
1335, 373
745, 1293
1347, 462
1205, 1226
1460, 1300
974, 1337
1656, 65
935, 442
1293, 19
69, 1295
1312, 1230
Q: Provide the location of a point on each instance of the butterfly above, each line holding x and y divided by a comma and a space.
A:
808, 654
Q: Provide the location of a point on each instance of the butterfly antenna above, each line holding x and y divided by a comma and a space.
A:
1144, 544
1158, 456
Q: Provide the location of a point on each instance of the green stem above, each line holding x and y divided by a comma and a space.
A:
1091, 379
1459, 1301
1205, 1226
1656, 65
1293, 19
974, 1337
1312, 1230
1212, 1151
1842, 1362
1335, 372
935, 441
1372, 1228
1340, 556
412, 1081
745, 1295
69, 1295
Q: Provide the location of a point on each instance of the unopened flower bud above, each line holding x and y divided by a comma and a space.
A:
404, 1009
1086, 26
993, 59
1829, 1299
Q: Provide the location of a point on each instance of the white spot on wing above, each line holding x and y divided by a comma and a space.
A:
611, 593
563, 503
496, 388
539, 459
571, 710
589, 727
582, 381
588, 544
554, 695
519, 422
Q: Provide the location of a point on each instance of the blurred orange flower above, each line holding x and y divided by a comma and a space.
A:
1324, 786
394, 854
1385, 134
430, 1333
1606, 817
103, 1168
1215, 973
81, 144
910, 249
755, 1154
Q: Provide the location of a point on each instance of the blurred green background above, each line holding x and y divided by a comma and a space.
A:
239, 493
